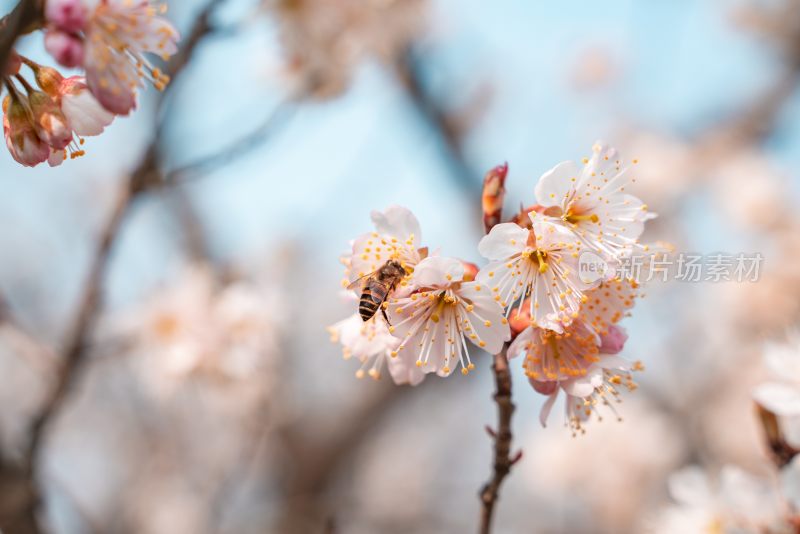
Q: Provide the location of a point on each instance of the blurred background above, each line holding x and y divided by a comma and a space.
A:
210, 398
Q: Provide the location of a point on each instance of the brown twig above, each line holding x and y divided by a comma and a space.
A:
76, 341
241, 147
502, 441
26, 16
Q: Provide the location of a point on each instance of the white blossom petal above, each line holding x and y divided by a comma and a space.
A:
437, 271
781, 399
397, 221
504, 240
556, 184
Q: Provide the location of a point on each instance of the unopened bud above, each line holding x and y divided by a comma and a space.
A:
470, 271
49, 121
494, 191
520, 318
545, 388
68, 15
21, 137
523, 218
48, 79
66, 48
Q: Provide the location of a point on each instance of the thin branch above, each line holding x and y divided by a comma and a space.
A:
76, 341
502, 441
26, 16
240, 148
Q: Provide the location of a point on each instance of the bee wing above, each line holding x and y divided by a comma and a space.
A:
358, 282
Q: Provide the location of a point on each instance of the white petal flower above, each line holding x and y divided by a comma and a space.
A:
85, 114
782, 397
597, 380
397, 236
195, 327
608, 303
735, 501
541, 263
593, 201
118, 34
371, 344
554, 356
435, 322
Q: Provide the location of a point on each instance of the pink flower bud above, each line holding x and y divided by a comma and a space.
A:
14, 64
66, 48
494, 191
49, 80
21, 138
470, 271
49, 121
68, 15
520, 318
613, 341
545, 388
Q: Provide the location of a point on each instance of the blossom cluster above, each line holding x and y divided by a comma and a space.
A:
199, 327
46, 119
562, 325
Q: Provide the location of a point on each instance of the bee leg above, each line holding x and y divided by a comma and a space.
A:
385, 316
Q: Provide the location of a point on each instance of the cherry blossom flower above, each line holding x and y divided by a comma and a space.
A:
436, 320
594, 202
50, 122
397, 236
61, 112
22, 138
324, 42
541, 263
117, 35
735, 502
196, 328
67, 49
371, 343
608, 304
782, 397
69, 15
582, 359
580, 364
84, 114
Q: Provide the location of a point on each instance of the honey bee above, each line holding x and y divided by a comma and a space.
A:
376, 287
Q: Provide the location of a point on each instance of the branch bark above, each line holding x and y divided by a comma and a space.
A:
26, 16
502, 441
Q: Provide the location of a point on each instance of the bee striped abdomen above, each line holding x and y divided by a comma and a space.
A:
371, 299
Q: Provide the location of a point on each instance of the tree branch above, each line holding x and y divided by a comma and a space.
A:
76, 341
24, 18
242, 147
502, 441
